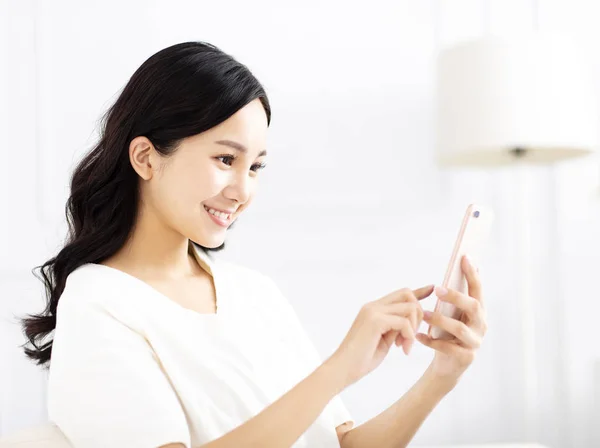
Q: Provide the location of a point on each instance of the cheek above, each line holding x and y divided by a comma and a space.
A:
175, 191
208, 185
199, 184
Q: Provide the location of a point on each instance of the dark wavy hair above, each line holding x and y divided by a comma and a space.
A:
178, 92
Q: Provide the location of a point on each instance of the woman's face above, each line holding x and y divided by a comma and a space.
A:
218, 169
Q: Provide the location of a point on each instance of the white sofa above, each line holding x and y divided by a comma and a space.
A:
46, 436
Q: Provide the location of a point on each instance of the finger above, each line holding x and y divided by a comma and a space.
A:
472, 277
401, 295
446, 347
424, 292
407, 345
390, 338
391, 322
400, 341
455, 327
411, 310
470, 305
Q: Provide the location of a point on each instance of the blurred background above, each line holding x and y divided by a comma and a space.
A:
354, 203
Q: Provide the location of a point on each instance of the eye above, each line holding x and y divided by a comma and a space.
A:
259, 166
256, 167
226, 157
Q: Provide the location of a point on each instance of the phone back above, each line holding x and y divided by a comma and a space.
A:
471, 240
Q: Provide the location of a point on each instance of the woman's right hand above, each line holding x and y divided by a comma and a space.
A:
394, 318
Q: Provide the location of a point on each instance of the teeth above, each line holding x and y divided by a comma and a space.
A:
218, 214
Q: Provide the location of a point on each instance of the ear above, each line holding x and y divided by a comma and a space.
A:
142, 156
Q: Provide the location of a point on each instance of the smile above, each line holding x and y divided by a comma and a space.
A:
222, 219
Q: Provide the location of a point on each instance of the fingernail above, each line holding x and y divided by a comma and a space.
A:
427, 315
440, 291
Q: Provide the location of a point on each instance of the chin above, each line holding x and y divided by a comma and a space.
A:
210, 243
217, 247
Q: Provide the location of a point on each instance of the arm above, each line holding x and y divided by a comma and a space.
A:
397, 425
284, 421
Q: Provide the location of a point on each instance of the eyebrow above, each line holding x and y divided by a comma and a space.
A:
238, 146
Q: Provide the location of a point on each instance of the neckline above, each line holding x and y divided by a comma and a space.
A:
205, 262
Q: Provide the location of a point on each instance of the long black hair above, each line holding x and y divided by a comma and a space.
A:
178, 92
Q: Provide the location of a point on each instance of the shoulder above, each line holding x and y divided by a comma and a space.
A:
84, 284
92, 289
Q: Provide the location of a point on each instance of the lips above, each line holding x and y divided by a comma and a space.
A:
230, 212
223, 222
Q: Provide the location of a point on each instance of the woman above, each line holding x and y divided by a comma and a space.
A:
156, 343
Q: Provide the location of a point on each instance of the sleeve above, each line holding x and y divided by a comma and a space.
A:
106, 387
335, 410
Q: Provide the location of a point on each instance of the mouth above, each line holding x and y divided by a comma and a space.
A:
222, 219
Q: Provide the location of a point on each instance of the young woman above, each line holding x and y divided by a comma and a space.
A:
158, 344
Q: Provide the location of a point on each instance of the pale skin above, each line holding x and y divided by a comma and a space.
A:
174, 191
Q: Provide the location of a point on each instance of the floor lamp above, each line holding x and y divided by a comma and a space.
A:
516, 101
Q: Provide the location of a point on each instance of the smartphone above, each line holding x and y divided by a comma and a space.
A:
472, 237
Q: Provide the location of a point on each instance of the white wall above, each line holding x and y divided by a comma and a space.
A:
351, 206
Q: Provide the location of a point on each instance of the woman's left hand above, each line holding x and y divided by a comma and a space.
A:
454, 356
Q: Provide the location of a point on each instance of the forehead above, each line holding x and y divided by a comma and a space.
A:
246, 129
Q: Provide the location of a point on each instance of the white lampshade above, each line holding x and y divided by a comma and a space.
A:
495, 95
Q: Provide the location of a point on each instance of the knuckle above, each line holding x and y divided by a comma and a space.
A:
403, 323
461, 331
404, 292
420, 313
451, 296
369, 312
369, 305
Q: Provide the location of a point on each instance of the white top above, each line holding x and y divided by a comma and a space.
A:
132, 368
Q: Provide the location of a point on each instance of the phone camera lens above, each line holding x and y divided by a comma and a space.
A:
476, 214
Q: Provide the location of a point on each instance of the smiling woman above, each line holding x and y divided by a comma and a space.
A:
156, 157
150, 341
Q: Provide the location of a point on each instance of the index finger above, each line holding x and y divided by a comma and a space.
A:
407, 295
424, 292
472, 277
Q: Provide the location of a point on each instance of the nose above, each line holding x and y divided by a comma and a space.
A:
239, 188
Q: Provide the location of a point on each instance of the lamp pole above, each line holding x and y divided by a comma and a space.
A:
525, 291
